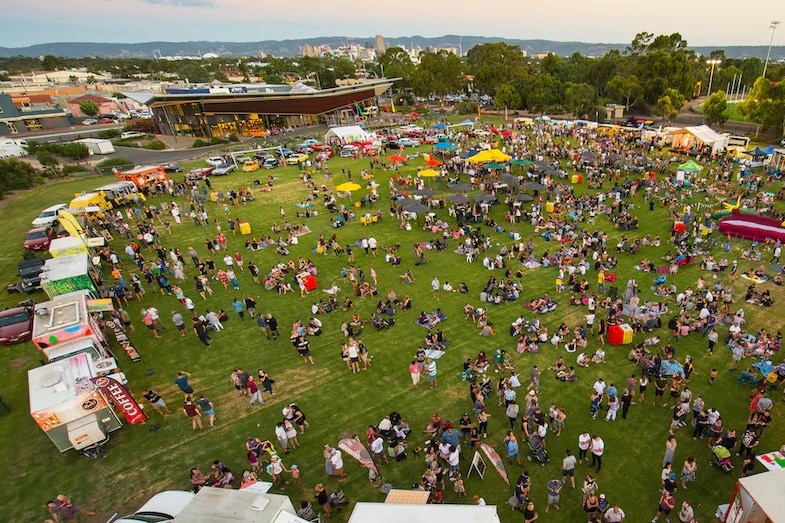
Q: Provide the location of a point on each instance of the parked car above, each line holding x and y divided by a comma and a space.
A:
16, 324
89, 121
407, 142
296, 158
106, 120
38, 239
49, 215
161, 508
270, 163
348, 151
215, 161
131, 134
29, 271
286, 153
242, 158
324, 155
319, 147
263, 155
199, 173
250, 166
303, 149
224, 169
172, 168
309, 142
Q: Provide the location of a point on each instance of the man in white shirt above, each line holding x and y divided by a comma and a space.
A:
614, 515
597, 450
599, 387
377, 451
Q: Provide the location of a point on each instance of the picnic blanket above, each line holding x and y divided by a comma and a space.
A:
434, 354
432, 320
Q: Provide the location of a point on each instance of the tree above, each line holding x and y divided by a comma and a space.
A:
50, 63
395, 63
438, 73
669, 104
714, 109
16, 174
627, 89
541, 92
765, 104
46, 158
507, 97
75, 151
88, 108
494, 65
581, 99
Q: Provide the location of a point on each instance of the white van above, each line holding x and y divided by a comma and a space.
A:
348, 151
49, 215
131, 134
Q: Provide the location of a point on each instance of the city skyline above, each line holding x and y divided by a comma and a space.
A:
701, 23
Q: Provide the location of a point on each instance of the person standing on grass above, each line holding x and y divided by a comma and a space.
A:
667, 502
280, 435
179, 322
430, 370
250, 306
584, 444
643, 384
435, 285
513, 449
613, 407
534, 381
253, 392
554, 489
304, 350
156, 401
149, 321
414, 372
192, 411
261, 322
182, 383
207, 407
238, 307
272, 324
200, 331
688, 471
614, 515
670, 449
336, 458
323, 499
568, 467
597, 450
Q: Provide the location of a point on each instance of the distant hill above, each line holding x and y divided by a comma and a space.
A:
292, 47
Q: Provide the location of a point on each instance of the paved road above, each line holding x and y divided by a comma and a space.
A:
145, 157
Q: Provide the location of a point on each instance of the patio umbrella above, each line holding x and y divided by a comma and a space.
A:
493, 166
490, 155
444, 145
510, 180
460, 187
425, 192
416, 207
518, 161
348, 187
690, 167
440, 125
457, 198
432, 162
484, 197
428, 173
534, 186
588, 156
523, 197
506, 133
397, 158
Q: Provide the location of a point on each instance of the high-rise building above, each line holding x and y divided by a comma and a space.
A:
379, 44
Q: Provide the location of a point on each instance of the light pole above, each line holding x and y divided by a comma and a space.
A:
773, 28
713, 62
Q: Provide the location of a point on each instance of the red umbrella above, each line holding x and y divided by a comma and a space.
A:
494, 130
397, 158
414, 116
506, 133
432, 163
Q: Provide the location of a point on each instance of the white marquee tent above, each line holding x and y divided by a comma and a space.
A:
699, 136
758, 499
351, 133
394, 513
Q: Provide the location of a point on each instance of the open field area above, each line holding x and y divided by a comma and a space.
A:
339, 403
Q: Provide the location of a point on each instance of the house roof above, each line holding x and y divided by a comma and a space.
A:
90, 98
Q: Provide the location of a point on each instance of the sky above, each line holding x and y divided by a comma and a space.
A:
700, 22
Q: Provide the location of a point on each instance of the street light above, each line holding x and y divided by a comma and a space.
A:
712, 63
773, 28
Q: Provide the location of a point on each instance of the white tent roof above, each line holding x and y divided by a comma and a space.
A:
349, 133
393, 513
766, 490
705, 134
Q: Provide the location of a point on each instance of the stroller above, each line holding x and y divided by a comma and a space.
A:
338, 500
720, 456
538, 452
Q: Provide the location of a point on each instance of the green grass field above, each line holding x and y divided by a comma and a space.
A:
338, 403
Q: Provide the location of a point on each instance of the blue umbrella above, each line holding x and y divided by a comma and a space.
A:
440, 126
444, 145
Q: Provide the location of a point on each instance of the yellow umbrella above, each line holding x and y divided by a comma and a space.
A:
348, 187
490, 155
428, 173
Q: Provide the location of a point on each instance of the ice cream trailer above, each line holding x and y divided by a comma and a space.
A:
64, 319
68, 406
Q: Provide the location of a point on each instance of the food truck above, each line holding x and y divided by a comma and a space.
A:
143, 176
68, 404
86, 345
121, 193
64, 319
67, 274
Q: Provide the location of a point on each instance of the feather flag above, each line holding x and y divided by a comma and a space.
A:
359, 109
356, 450
505, 113
392, 105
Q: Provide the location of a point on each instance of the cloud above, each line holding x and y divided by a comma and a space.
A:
182, 3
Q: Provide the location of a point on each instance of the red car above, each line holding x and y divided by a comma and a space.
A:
319, 147
324, 155
38, 239
16, 325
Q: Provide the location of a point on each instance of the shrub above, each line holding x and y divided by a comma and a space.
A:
117, 161
108, 134
466, 107
155, 145
71, 168
234, 138
217, 141
46, 158
199, 143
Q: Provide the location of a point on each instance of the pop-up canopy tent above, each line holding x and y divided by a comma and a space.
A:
395, 513
758, 499
698, 137
350, 133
